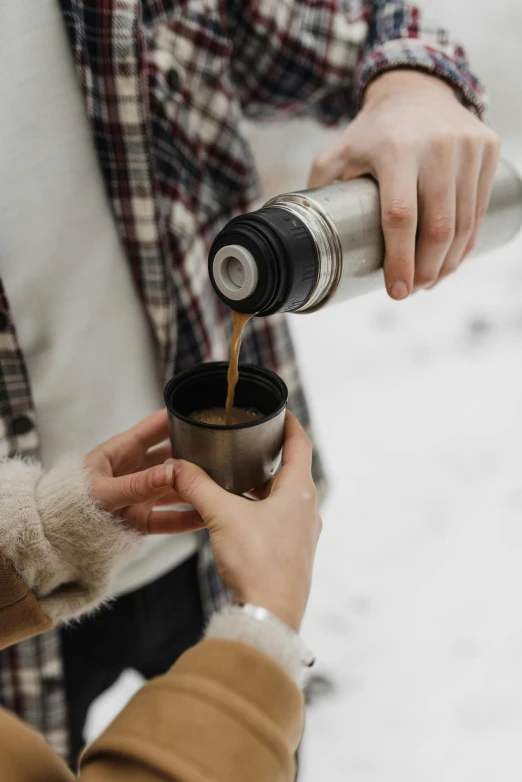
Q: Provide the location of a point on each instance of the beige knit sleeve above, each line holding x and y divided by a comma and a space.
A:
62, 544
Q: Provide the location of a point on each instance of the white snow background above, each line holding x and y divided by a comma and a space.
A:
416, 614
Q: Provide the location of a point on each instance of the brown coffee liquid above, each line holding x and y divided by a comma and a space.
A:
218, 416
239, 319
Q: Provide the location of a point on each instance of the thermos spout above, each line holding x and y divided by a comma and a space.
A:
308, 248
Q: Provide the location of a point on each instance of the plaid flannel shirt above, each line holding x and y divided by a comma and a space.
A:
166, 84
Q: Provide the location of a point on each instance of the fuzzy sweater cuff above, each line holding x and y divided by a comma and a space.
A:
281, 644
62, 544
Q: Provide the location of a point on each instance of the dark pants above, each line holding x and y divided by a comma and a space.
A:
146, 630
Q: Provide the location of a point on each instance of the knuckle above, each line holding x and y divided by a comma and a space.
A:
423, 280
452, 267
493, 140
449, 269
444, 142
309, 492
440, 230
398, 265
397, 213
472, 139
471, 245
132, 485
394, 143
307, 442
312, 490
465, 225
482, 209
321, 163
189, 483
472, 148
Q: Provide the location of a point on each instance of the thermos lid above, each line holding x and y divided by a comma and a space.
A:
264, 262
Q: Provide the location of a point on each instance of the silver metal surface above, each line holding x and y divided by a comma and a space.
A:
345, 221
327, 241
238, 459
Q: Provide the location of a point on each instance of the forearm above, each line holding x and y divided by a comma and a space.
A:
295, 57
62, 545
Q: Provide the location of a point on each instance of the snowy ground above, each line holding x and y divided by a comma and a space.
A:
415, 615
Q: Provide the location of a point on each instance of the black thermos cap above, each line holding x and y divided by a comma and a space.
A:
285, 254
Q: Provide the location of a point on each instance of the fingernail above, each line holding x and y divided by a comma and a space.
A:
162, 476
399, 290
175, 464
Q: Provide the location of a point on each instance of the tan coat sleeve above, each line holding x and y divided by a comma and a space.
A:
20, 613
224, 713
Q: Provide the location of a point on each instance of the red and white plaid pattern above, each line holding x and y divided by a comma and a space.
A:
166, 83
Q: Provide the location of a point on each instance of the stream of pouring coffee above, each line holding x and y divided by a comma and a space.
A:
239, 319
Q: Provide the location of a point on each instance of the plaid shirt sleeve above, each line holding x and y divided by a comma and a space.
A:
316, 57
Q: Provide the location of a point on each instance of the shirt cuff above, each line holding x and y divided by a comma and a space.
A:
276, 641
413, 53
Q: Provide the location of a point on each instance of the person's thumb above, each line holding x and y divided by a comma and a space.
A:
198, 489
138, 487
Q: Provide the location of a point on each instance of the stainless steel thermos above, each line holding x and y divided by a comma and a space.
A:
306, 249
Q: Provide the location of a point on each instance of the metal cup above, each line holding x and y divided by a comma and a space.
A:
239, 457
